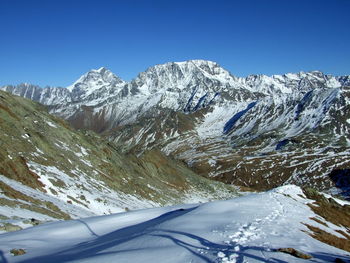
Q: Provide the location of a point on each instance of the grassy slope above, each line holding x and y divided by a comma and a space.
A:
80, 169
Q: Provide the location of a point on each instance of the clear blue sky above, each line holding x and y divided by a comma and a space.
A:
53, 42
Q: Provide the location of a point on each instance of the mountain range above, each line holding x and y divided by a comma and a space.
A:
177, 135
258, 132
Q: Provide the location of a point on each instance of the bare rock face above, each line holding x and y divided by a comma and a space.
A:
258, 131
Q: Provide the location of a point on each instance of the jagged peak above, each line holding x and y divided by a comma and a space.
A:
22, 85
26, 84
101, 72
196, 66
199, 62
195, 62
96, 78
101, 69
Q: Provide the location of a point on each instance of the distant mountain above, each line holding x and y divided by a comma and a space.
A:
259, 131
50, 171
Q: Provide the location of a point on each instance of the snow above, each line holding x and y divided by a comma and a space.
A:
51, 124
333, 83
339, 201
212, 162
292, 76
244, 229
172, 84
94, 80
83, 151
74, 211
25, 136
93, 191
17, 212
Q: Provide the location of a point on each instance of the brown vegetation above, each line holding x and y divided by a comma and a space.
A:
329, 209
333, 212
17, 169
5, 108
294, 252
325, 237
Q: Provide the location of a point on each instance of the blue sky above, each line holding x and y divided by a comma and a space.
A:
53, 42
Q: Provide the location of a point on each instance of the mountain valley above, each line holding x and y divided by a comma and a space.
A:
95, 159
49, 171
258, 132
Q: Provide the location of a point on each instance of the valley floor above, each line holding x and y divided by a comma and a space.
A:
245, 229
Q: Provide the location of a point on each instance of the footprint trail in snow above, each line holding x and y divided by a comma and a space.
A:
252, 231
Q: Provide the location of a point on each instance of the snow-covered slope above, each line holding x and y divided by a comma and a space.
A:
259, 131
94, 81
46, 96
251, 228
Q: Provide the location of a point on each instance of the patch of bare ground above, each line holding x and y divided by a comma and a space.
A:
18, 170
332, 212
44, 207
6, 109
294, 252
330, 239
17, 251
328, 208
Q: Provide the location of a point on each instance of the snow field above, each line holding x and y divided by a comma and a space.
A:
244, 229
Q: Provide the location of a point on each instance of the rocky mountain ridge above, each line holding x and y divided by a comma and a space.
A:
257, 131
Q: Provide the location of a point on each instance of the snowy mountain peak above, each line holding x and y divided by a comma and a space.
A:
27, 85
94, 80
199, 63
101, 69
179, 75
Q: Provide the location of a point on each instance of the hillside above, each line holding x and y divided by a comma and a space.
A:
50, 171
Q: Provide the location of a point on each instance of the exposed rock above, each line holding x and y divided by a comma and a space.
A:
294, 252
18, 252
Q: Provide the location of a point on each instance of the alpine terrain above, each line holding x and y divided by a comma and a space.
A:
49, 171
259, 132
115, 171
282, 225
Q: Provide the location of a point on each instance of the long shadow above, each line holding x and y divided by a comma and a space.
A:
191, 248
203, 249
202, 241
88, 227
330, 257
316, 256
90, 248
243, 254
2, 257
213, 248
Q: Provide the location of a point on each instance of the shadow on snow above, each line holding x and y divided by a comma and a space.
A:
202, 249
